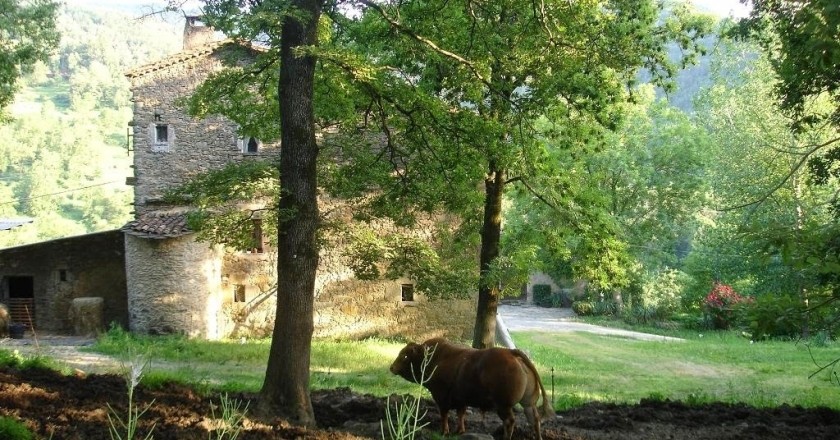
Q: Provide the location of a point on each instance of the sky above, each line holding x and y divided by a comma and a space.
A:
723, 8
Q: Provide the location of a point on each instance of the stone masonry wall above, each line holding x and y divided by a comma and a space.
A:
84, 266
196, 145
171, 286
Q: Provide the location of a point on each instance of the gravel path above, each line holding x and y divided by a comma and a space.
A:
534, 318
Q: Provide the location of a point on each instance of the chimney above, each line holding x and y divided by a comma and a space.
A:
196, 33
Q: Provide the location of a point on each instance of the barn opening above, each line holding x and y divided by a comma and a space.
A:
20, 291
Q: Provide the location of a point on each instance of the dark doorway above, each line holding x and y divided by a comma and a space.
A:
21, 299
21, 287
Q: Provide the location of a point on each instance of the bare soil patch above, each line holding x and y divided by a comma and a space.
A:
70, 407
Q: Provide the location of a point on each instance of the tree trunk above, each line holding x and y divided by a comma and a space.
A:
285, 391
484, 335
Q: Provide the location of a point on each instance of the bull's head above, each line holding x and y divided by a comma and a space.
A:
409, 362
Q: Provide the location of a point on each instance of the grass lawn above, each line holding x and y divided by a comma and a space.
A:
717, 366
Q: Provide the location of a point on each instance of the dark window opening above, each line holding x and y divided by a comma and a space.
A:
62, 274
239, 293
407, 292
161, 134
252, 146
257, 237
21, 287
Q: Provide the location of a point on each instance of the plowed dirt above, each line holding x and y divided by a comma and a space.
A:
76, 407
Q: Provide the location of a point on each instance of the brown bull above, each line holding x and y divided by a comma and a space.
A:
490, 379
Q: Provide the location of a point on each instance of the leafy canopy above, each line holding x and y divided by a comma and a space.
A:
27, 35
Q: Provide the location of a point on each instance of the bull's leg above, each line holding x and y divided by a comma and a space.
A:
444, 420
533, 417
462, 427
506, 414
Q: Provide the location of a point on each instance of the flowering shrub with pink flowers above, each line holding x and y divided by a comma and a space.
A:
722, 305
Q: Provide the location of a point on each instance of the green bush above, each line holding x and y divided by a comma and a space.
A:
662, 291
12, 429
542, 295
606, 308
773, 316
583, 308
640, 314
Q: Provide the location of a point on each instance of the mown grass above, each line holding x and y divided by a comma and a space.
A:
716, 366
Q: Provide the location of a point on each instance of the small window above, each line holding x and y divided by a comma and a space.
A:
161, 134
62, 274
407, 292
239, 293
161, 137
257, 237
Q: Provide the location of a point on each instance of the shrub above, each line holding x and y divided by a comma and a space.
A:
606, 308
583, 308
662, 291
542, 295
774, 316
12, 429
722, 305
640, 314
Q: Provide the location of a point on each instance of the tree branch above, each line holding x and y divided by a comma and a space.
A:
784, 180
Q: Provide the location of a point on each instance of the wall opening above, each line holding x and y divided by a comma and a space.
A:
20, 291
239, 293
407, 292
21, 287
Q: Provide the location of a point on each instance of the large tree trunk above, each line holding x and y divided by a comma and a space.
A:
484, 335
285, 391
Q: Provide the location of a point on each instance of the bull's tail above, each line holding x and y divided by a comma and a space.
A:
546, 409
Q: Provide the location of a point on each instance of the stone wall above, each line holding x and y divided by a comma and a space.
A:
61, 270
172, 286
345, 308
196, 145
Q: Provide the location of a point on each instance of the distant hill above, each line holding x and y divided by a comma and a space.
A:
68, 164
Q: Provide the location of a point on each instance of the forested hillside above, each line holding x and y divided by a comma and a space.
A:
63, 160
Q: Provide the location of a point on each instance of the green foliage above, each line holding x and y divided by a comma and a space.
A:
584, 307
638, 314
68, 163
772, 232
375, 254
13, 429
800, 38
775, 317
220, 199
28, 35
660, 293
543, 296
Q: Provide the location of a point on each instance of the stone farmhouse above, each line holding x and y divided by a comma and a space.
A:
153, 276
